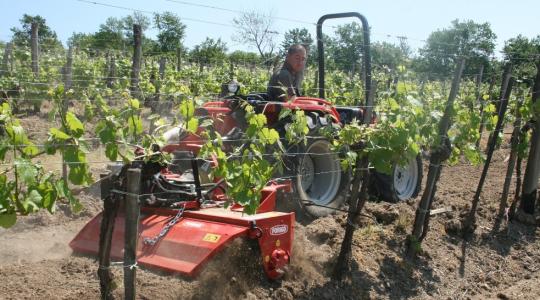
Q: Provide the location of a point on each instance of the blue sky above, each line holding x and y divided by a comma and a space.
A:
388, 19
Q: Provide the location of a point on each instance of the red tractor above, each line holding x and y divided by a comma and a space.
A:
183, 220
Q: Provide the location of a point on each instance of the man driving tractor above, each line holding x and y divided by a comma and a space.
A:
285, 84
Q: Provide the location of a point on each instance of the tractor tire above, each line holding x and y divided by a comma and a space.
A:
320, 184
403, 184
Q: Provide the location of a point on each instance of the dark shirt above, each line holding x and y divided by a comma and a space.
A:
284, 84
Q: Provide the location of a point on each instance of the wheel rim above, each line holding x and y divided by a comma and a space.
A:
319, 174
405, 180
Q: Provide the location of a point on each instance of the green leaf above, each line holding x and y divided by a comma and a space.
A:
35, 198
134, 125
111, 151
49, 195
16, 134
8, 219
26, 170
134, 103
32, 202
284, 113
105, 132
30, 150
187, 109
74, 124
64, 192
57, 134
193, 125
3, 149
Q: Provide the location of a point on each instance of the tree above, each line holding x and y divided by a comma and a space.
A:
346, 47
255, 28
47, 37
81, 40
297, 36
521, 51
210, 51
171, 31
128, 22
117, 34
110, 35
444, 47
242, 57
387, 56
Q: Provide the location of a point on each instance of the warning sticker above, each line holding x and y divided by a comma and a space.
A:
212, 238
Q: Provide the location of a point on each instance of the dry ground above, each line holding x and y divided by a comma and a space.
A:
504, 262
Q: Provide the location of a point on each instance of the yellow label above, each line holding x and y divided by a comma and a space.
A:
266, 259
212, 238
278, 243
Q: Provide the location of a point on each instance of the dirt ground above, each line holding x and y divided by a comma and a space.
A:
497, 263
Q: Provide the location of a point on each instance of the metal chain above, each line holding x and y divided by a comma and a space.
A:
165, 229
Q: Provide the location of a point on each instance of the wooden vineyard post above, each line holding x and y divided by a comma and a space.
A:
111, 71
439, 155
35, 49
514, 142
532, 170
67, 85
162, 65
498, 102
470, 223
131, 232
5, 61
478, 92
158, 83
358, 198
178, 59
136, 65
110, 209
481, 129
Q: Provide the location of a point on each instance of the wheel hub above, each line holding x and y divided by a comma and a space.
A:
405, 180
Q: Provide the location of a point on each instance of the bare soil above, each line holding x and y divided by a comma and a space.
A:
503, 262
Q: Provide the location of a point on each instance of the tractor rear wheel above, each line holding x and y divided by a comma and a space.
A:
321, 184
403, 184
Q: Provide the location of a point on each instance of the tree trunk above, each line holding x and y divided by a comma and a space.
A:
532, 171
421, 221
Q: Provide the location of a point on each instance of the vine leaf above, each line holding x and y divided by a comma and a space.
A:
74, 124
8, 219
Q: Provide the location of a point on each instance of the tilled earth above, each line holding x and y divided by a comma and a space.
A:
503, 262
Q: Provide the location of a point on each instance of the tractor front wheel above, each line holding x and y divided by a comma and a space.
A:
403, 184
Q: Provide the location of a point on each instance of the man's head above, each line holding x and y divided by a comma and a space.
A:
296, 57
